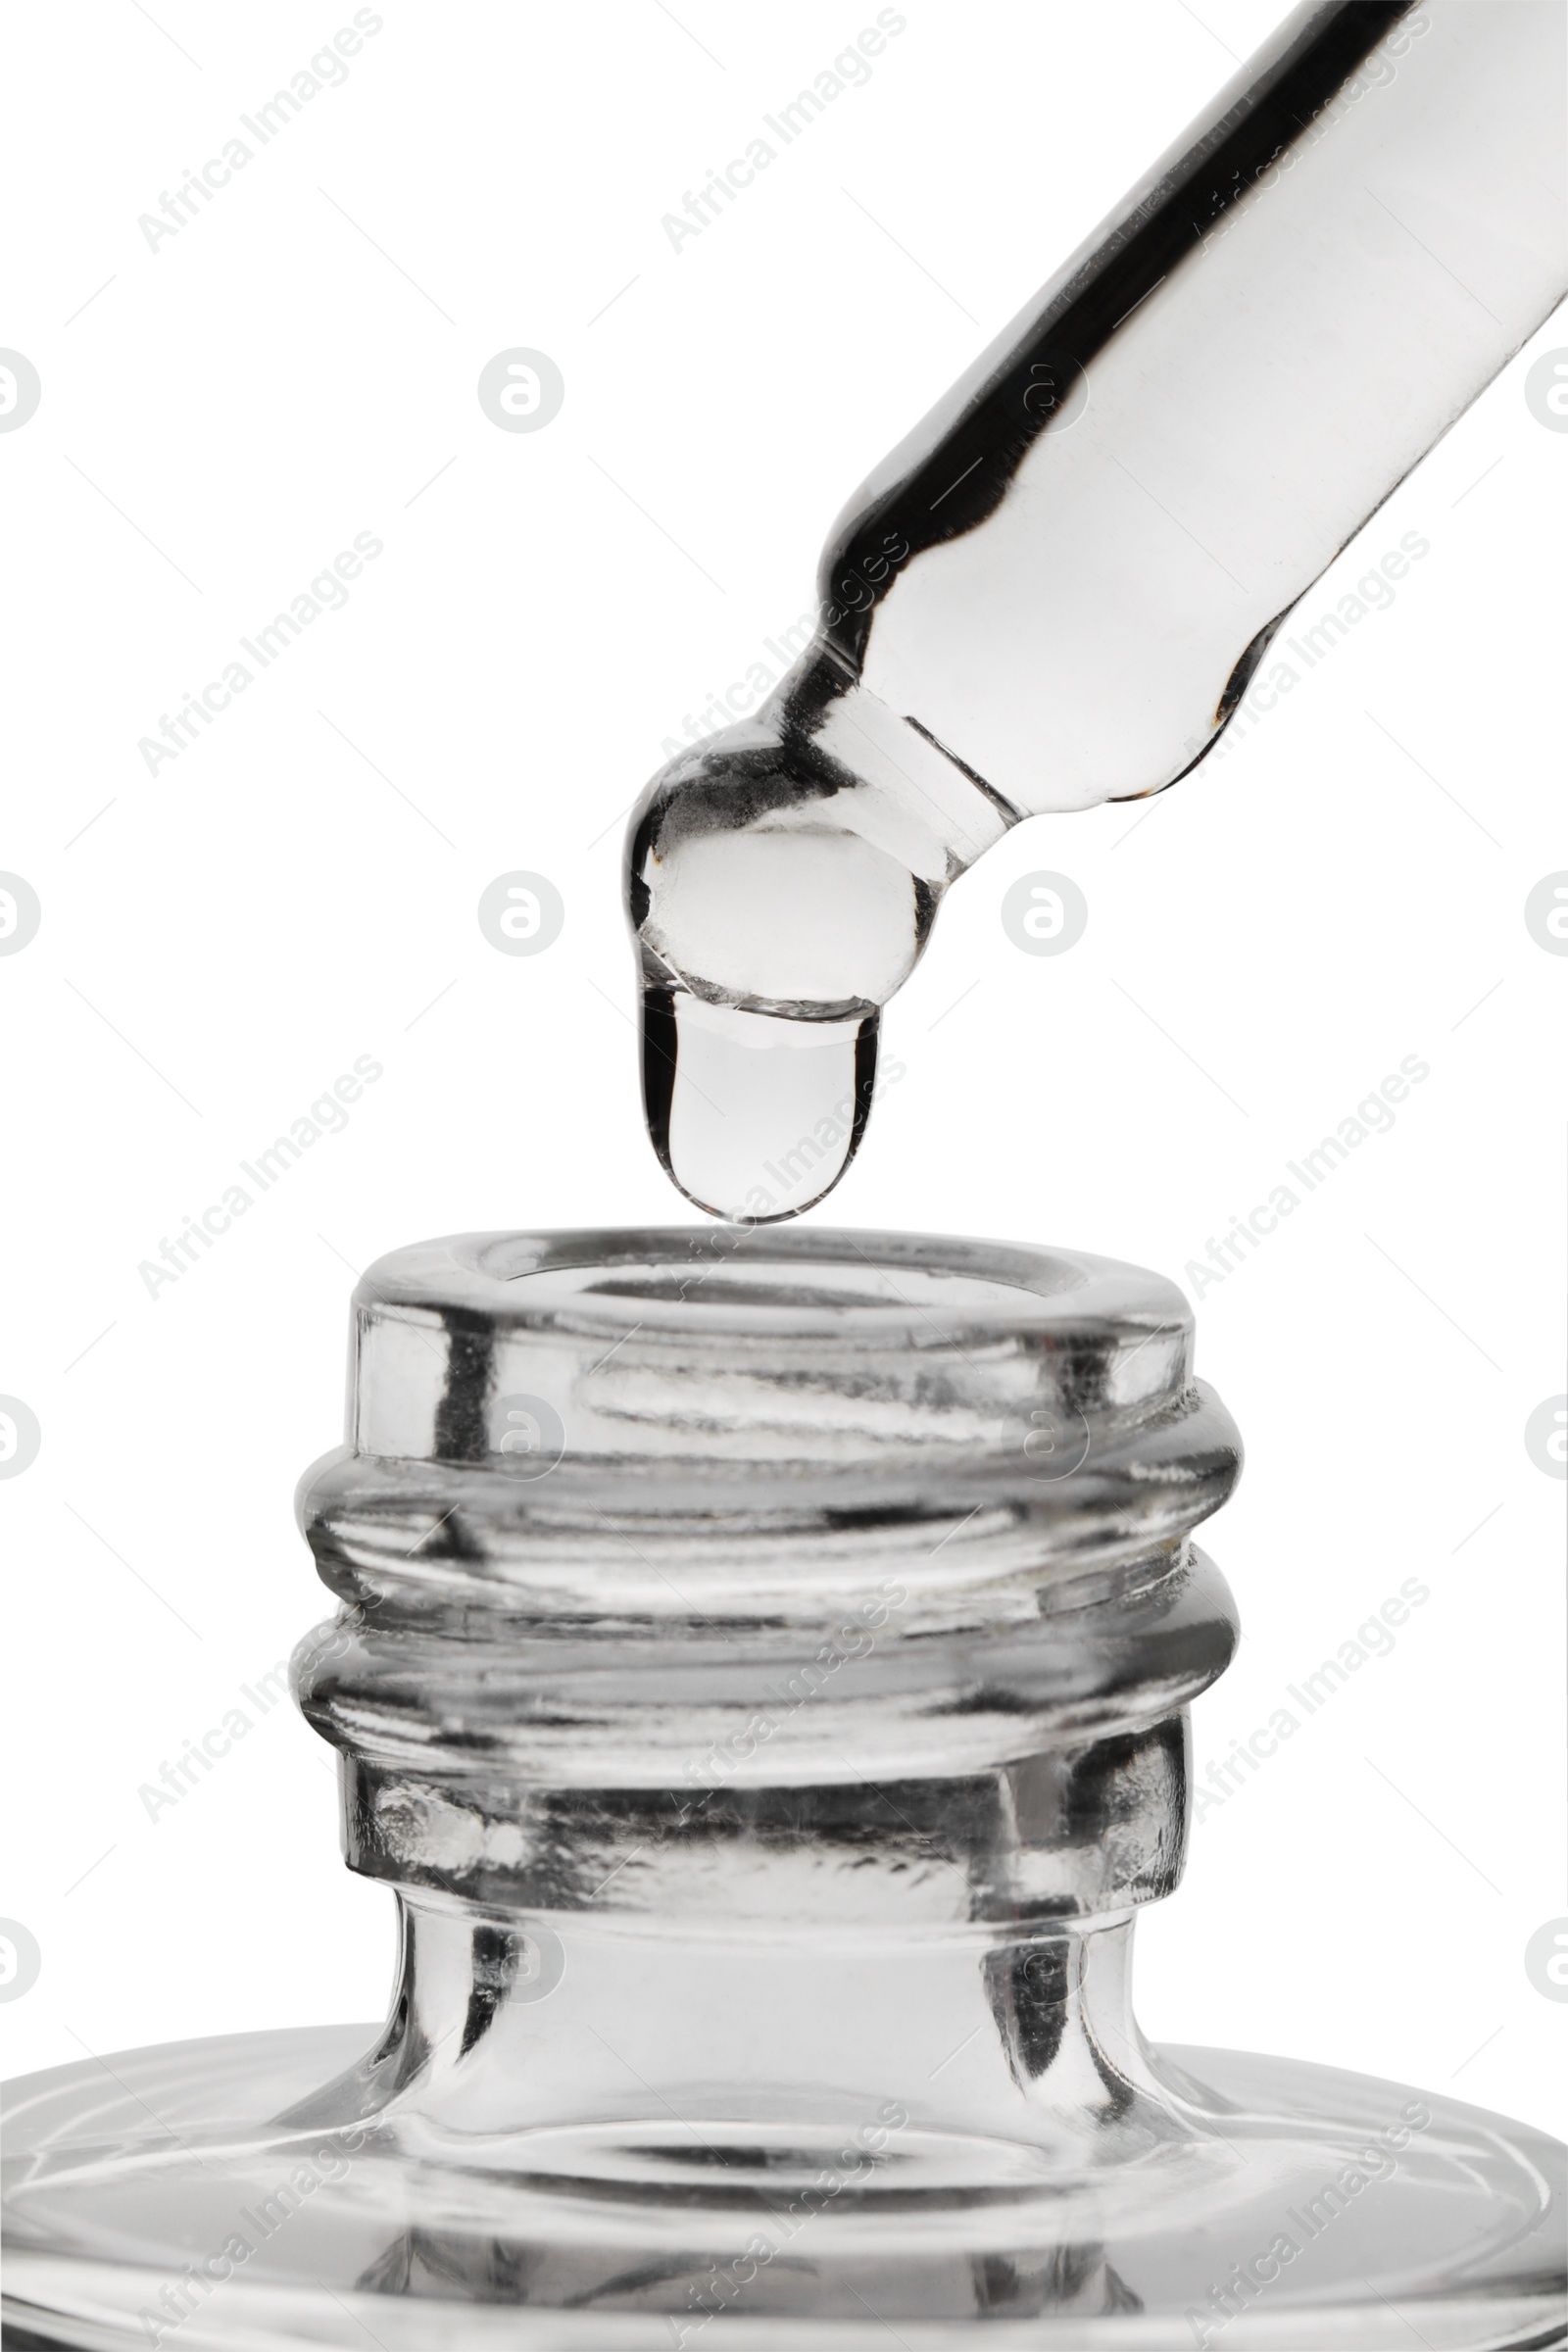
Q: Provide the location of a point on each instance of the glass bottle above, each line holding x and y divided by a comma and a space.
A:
762, 1672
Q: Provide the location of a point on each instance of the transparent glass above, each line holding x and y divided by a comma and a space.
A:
762, 1670
1056, 590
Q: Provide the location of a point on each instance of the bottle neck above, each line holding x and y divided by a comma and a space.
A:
937, 1971
1070, 1829
846, 2048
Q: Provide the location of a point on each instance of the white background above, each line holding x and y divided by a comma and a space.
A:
298, 364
